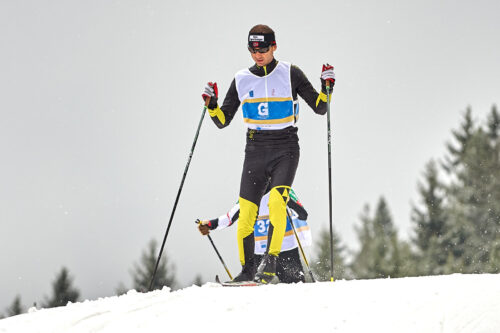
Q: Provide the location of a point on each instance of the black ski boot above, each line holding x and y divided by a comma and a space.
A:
248, 270
266, 272
247, 273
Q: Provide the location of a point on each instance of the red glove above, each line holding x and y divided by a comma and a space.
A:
210, 91
327, 74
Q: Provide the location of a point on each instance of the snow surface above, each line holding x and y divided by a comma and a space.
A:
453, 303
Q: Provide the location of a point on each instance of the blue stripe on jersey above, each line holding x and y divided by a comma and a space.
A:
298, 224
267, 110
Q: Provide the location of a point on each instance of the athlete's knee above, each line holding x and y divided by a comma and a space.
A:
248, 215
278, 198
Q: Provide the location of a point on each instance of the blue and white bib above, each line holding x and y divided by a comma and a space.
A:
289, 241
262, 226
267, 102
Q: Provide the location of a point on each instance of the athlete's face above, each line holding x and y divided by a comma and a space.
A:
262, 59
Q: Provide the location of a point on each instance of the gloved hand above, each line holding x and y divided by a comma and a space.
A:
327, 74
211, 92
203, 227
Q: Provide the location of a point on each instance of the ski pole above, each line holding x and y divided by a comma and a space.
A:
329, 177
300, 246
218, 254
179, 193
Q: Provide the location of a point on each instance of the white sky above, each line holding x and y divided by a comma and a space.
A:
100, 100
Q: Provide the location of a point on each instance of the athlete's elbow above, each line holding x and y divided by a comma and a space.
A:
221, 126
320, 110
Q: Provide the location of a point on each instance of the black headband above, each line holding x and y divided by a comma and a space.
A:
258, 40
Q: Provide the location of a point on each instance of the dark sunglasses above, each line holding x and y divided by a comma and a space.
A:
260, 50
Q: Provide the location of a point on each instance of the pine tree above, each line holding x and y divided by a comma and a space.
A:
198, 280
62, 290
16, 307
494, 125
430, 224
459, 229
320, 264
474, 195
463, 137
142, 273
121, 289
381, 254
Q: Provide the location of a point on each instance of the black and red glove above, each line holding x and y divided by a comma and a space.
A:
327, 74
211, 92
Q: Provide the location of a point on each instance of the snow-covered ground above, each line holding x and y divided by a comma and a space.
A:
454, 303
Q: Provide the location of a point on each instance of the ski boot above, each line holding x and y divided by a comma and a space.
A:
247, 273
248, 269
266, 273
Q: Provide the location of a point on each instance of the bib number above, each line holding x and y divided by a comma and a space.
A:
263, 109
262, 226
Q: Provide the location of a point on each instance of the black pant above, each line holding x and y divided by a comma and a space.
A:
271, 160
265, 168
288, 268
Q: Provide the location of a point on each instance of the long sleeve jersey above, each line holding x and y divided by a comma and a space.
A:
300, 87
297, 213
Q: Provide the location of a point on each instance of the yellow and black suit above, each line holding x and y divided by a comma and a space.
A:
271, 159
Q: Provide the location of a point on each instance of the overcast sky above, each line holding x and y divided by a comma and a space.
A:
100, 101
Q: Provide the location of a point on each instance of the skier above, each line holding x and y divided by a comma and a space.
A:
267, 92
289, 268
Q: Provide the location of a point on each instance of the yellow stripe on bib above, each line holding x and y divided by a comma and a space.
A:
269, 121
266, 99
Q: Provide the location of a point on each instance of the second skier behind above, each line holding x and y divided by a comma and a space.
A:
288, 266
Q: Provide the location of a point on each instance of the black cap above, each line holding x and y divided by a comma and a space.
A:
258, 40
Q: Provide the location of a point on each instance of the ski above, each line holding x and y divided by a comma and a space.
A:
237, 284
240, 284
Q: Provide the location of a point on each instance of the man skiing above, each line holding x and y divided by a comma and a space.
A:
267, 93
289, 268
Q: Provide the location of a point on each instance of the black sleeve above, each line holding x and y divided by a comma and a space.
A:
302, 86
213, 224
299, 209
229, 106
